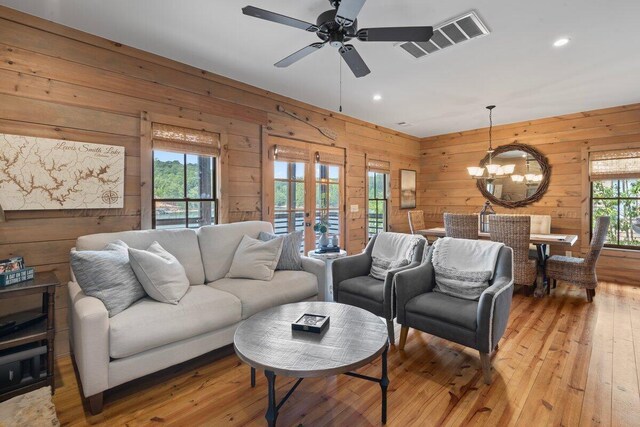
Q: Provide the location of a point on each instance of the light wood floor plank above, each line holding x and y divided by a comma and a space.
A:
561, 362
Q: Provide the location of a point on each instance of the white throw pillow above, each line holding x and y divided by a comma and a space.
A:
162, 276
255, 259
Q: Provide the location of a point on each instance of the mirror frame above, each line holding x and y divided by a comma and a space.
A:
545, 168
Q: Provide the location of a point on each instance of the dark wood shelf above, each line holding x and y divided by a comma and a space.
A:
32, 333
44, 283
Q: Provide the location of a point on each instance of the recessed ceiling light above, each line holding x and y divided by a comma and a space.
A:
377, 97
561, 42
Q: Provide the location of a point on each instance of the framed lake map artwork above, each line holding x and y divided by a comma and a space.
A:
407, 189
42, 173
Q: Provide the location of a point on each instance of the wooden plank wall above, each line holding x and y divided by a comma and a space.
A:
444, 185
61, 83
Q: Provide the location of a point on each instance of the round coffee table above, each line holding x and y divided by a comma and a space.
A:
354, 338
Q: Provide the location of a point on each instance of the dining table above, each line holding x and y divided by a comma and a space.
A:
541, 241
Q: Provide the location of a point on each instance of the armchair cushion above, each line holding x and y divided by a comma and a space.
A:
364, 286
457, 311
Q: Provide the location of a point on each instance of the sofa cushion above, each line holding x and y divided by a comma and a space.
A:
364, 286
108, 276
255, 259
218, 244
149, 324
445, 308
257, 295
290, 257
160, 273
182, 244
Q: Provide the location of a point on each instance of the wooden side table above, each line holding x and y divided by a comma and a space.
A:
328, 258
43, 332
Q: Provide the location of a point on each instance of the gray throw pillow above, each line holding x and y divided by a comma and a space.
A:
255, 259
290, 258
381, 266
161, 274
107, 275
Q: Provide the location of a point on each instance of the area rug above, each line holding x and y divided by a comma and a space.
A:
34, 409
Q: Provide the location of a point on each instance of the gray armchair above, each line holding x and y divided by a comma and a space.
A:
352, 284
475, 324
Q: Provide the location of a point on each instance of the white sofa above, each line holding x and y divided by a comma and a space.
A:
149, 335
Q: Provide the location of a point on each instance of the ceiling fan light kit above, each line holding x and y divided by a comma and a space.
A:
337, 27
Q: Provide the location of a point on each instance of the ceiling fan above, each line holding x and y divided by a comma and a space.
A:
337, 27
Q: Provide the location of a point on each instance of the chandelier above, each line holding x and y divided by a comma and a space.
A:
528, 179
493, 170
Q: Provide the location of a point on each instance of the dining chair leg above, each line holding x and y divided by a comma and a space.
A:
589, 296
404, 330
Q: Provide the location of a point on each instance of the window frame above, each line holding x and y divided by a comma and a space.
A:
186, 199
618, 199
386, 176
220, 152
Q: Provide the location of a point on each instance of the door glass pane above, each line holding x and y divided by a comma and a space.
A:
328, 199
334, 196
334, 173
168, 175
299, 195
281, 194
170, 214
289, 198
298, 171
280, 170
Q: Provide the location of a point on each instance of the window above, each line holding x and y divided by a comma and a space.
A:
619, 199
615, 192
377, 207
183, 172
184, 193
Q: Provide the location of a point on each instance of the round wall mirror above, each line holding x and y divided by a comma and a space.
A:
525, 185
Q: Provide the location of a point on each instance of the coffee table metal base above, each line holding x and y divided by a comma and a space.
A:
274, 407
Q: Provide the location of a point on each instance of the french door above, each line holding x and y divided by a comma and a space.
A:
304, 186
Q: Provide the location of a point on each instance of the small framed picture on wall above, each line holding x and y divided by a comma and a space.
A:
407, 189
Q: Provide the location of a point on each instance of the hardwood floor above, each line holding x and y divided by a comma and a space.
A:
562, 361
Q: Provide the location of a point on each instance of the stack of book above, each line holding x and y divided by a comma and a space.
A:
12, 270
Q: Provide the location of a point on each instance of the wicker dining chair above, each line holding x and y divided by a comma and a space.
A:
416, 221
461, 226
515, 231
581, 272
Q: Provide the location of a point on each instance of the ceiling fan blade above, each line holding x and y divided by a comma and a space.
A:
395, 34
297, 56
354, 60
348, 12
279, 19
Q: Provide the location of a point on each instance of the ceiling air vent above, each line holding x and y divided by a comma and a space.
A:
455, 31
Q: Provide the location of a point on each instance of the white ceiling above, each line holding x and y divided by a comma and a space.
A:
515, 67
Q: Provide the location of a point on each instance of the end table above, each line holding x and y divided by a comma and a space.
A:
43, 332
328, 258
